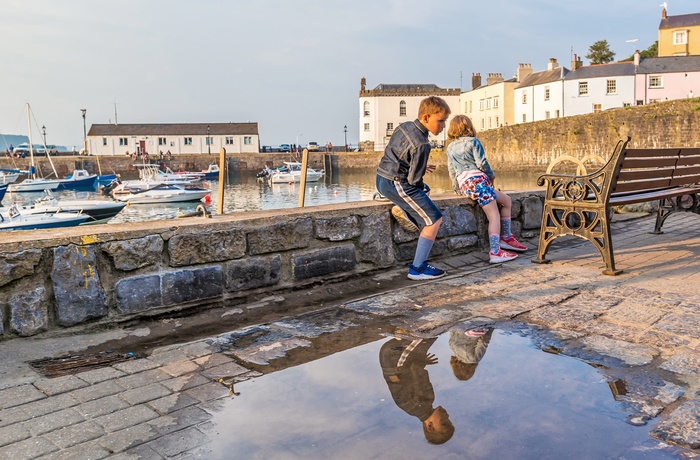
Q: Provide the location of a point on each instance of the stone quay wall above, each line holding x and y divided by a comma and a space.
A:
65, 280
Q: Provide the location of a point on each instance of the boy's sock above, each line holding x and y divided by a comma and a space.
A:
505, 227
495, 243
422, 251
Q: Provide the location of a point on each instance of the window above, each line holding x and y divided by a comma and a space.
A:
612, 86
209, 140
247, 140
389, 126
524, 97
489, 122
656, 82
402, 108
229, 140
470, 106
366, 109
680, 37
482, 123
488, 103
104, 141
466, 106
583, 88
597, 108
524, 118
162, 141
123, 141
497, 125
546, 115
626, 104
495, 102
481, 104
188, 141
556, 113
640, 102
366, 127
546, 93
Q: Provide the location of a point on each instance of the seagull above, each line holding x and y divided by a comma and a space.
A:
665, 5
632, 40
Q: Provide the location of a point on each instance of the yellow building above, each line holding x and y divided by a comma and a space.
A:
679, 35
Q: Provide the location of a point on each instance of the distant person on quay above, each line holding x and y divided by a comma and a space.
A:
467, 165
400, 179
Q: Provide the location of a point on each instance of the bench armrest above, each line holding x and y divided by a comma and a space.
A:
574, 188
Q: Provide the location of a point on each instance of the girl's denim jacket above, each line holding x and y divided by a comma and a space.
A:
467, 154
406, 156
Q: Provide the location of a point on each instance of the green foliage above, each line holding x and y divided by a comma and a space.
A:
652, 51
600, 53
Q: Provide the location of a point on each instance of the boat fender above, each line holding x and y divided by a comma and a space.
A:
203, 211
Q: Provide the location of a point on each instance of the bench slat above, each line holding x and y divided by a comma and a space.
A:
689, 160
686, 180
642, 153
690, 152
626, 175
686, 170
651, 196
640, 185
647, 163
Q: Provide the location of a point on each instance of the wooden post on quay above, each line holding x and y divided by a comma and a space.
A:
302, 180
222, 167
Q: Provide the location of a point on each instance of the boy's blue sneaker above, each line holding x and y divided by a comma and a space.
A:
424, 272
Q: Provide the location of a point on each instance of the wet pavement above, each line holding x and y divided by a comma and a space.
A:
641, 329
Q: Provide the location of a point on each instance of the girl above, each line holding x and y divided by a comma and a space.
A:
466, 162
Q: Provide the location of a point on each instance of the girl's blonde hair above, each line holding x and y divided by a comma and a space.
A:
461, 126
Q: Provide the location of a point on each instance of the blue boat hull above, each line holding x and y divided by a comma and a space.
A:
3, 189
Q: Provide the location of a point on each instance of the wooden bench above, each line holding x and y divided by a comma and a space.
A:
581, 205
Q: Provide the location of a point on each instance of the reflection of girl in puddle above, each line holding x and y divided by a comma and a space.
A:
403, 364
468, 346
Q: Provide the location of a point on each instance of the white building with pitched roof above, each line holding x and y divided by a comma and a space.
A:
593, 88
540, 96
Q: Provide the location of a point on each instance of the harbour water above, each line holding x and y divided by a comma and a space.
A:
243, 192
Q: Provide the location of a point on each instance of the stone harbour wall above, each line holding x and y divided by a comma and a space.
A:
67, 279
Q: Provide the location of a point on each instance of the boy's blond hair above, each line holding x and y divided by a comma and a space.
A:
432, 105
461, 126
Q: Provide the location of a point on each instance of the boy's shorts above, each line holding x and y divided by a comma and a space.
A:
479, 188
414, 201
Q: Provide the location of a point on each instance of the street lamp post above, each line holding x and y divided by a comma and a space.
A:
85, 149
43, 128
345, 130
208, 141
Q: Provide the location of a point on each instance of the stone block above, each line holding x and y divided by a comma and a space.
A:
406, 251
15, 396
59, 385
324, 262
515, 209
376, 241
202, 248
339, 228
253, 272
50, 422
16, 265
458, 243
281, 237
76, 285
144, 394
75, 434
197, 284
138, 294
532, 212
29, 448
29, 312
129, 417
457, 220
136, 253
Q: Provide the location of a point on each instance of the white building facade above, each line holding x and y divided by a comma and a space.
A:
540, 96
599, 87
387, 106
178, 139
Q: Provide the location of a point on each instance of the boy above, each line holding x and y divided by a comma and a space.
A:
400, 179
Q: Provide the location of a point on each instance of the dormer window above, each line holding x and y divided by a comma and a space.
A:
680, 37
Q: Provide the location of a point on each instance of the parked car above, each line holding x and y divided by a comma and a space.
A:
285, 148
312, 147
38, 149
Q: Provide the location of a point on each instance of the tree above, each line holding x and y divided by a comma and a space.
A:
600, 53
651, 52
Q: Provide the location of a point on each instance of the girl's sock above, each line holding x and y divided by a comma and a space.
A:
495, 243
422, 251
505, 227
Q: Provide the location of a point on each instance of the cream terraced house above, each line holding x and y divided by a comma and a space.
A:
679, 35
387, 106
178, 138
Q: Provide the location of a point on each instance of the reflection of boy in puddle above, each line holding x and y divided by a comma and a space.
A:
403, 364
468, 347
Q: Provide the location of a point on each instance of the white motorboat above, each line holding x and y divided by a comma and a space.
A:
153, 173
7, 177
291, 173
98, 211
164, 193
14, 219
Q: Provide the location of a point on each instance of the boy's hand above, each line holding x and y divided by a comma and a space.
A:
430, 168
431, 359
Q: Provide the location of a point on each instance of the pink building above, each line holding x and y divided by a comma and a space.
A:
666, 78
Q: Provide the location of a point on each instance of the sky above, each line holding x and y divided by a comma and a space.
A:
292, 66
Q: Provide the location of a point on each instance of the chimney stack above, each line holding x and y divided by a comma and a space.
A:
552, 64
576, 63
494, 78
663, 13
476, 80
523, 71
637, 58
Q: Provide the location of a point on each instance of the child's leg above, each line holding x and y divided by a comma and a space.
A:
492, 214
505, 203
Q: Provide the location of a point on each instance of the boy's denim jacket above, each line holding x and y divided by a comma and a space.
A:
406, 156
467, 154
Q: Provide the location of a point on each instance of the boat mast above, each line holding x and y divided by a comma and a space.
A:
29, 126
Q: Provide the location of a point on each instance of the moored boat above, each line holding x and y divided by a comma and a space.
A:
163, 193
80, 179
289, 173
98, 211
14, 219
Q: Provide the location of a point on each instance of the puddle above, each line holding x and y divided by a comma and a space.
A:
517, 401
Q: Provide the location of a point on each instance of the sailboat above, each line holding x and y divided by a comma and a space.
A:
34, 183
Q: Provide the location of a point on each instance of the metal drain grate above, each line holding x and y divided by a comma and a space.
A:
67, 365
